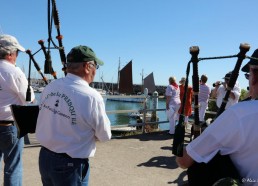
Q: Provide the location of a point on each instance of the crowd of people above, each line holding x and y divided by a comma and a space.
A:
205, 93
68, 139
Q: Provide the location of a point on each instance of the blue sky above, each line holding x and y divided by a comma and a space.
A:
156, 35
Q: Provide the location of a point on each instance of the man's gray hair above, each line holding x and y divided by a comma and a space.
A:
4, 52
74, 66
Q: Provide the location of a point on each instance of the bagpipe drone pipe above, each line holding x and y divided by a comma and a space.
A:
220, 166
26, 116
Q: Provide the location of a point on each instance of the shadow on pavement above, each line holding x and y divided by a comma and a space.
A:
167, 163
161, 161
180, 180
160, 135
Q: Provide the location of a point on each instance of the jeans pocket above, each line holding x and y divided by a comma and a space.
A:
84, 167
7, 139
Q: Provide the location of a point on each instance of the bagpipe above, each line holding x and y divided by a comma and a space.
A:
220, 166
26, 116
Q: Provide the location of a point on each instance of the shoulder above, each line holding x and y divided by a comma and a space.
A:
169, 87
14, 73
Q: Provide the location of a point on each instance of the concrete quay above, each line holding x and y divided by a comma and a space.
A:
138, 160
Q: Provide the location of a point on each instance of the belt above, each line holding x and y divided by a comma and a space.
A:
61, 154
6, 123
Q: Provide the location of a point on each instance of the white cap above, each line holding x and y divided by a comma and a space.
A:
9, 43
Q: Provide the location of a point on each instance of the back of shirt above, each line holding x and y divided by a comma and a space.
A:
72, 115
174, 93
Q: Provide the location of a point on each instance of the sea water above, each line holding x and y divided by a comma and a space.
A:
123, 118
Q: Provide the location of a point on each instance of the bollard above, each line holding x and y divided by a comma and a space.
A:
155, 98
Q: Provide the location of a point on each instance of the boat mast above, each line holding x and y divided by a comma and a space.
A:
142, 81
118, 76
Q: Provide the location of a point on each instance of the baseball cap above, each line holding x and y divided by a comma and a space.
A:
9, 43
251, 62
82, 54
227, 76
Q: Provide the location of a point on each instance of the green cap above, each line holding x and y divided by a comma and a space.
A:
82, 54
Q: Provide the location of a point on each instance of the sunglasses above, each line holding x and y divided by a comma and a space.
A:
95, 65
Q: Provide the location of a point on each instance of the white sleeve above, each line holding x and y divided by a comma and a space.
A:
224, 135
20, 85
236, 91
102, 123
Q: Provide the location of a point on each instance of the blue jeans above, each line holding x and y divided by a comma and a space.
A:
58, 170
11, 149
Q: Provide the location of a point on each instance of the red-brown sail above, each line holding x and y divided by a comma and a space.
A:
126, 79
149, 83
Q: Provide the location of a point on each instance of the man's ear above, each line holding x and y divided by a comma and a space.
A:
87, 68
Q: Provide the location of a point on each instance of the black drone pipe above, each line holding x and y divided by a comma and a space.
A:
36, 66
244, 48
48, 69
59, 37
28, 93
178, 142
194, 51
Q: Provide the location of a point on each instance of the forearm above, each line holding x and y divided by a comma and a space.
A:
167, 102
185, 161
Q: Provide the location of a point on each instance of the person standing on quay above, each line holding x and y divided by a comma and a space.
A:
172, 103
204, 96
219, 92
71, 118
13, 88
188, 102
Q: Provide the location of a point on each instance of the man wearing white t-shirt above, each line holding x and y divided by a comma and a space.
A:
71, 118
220, 91
13, 88
233, 133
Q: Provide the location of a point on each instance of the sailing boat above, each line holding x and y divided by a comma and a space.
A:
125, 85
149, 83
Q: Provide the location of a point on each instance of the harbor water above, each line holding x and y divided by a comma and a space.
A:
123, 118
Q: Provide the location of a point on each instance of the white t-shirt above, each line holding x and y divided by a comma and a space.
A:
13, 88
174, 93
71, 117
234, 132
204, 93
221, 94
